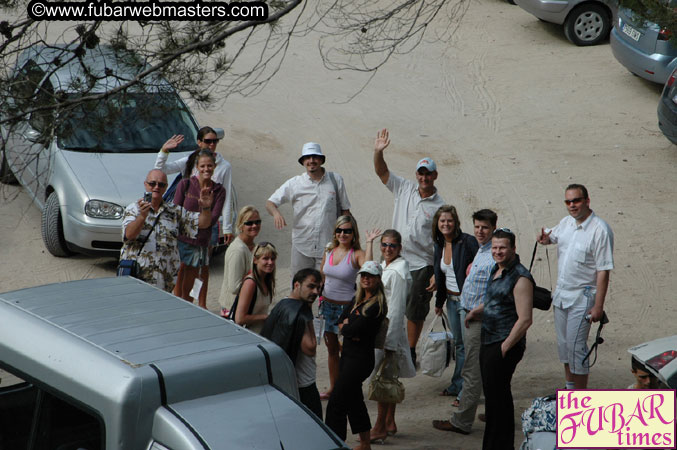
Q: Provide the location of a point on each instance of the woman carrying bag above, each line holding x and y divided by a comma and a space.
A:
454, 252
257, 288
359, 324
395, 355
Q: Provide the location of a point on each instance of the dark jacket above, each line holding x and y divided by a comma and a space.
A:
463, 250
286, 325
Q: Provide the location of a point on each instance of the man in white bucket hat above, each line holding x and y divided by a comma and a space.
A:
317, 197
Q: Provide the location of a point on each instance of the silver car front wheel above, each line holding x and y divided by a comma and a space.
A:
52, 228
587, 24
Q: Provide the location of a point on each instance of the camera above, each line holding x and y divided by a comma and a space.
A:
147, 197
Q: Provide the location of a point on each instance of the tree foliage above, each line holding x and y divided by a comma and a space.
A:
660, 12
207, 61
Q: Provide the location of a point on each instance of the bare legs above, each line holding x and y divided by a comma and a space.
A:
185, 280
580, 381
331, 339
385, 422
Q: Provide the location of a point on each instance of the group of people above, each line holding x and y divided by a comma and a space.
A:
487, 291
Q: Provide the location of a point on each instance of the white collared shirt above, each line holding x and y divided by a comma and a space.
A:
314, 205
582, 250
413, 218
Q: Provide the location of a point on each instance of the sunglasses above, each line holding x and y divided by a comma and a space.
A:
265, 244
152, 184
211, 141
574, 200
389, 245
344, 230
250, 223
505, 230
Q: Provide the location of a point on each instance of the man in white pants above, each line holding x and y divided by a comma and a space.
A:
585, 258
318, 197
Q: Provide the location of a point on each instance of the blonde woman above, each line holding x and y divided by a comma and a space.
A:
258, 287
238, 259
397, 283
359, 324
340, 263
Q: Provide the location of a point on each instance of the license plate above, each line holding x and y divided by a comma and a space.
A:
634, 34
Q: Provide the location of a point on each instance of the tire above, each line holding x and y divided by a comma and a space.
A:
587, 24
52, 228
6, 175
512, 2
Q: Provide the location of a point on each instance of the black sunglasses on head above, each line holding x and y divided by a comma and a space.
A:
505, 230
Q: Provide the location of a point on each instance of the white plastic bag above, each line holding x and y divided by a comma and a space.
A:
438, 347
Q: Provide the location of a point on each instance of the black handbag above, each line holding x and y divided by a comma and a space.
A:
542, 296
130, 267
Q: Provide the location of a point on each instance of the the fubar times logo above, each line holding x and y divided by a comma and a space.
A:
616, 419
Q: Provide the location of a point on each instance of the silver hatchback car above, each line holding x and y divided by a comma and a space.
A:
643, 48
585, 22
83, 166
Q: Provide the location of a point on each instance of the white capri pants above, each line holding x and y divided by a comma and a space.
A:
572, 332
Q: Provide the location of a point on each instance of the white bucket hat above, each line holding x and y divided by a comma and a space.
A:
311, 148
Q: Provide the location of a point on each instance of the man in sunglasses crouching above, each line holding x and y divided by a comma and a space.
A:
585, 246
150, 229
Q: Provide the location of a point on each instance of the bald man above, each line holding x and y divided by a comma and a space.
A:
150, 229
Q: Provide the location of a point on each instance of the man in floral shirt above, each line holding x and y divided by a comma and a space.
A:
158, 258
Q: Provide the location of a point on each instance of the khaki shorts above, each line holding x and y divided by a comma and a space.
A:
418, 301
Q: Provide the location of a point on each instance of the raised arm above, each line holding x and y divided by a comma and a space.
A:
369, 251
380, 167
161, 160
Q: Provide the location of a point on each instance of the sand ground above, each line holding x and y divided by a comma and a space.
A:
512, 113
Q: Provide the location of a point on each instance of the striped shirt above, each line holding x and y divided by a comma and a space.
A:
475, 286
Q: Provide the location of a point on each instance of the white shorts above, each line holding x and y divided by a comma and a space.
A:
300, 261
572, 332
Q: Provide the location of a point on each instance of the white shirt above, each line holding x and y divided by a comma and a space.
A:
223, 174
397, 284
314, 205
582, 250
449, 274
413, 218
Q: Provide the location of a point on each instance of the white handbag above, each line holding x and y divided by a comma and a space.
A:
438, 348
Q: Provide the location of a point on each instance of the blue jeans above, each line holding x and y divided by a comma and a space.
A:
453, 309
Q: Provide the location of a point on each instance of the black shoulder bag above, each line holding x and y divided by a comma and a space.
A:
130, 267
233, 309
542, 296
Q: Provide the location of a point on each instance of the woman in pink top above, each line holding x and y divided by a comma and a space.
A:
340, 263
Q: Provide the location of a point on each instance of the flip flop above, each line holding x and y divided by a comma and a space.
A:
325, 395
456, 403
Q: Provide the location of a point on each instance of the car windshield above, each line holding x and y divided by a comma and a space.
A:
127, 123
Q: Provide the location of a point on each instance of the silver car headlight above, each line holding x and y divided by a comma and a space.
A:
100, 209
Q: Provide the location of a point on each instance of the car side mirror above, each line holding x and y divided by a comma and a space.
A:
32, 135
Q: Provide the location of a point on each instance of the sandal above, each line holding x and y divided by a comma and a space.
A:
446, 393
456, 403
325, 395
